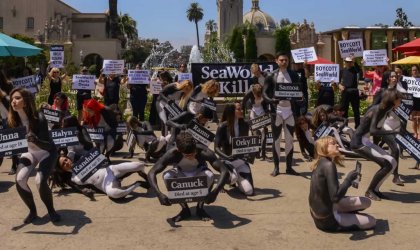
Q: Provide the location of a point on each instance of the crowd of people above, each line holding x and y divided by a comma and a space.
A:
330, 208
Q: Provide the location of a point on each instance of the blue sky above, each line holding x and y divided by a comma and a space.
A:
166, 19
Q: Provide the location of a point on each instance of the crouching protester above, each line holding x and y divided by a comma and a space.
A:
331, 210
189, 160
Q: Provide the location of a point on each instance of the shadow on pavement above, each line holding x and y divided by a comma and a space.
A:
133, 196
411, 178
5, 186
381, 228
260, 194
69, 218
403, 197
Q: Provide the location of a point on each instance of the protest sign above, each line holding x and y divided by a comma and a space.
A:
51, 115
245, 144
64, 137
200, 133
304, 54
88, 164
96, 134
288, 91
13, 141
187, 189
209, 104
409, 143
122, 128
115, 67
322, 130
27, 82
413, 85
269, 138
83, 82
375, 57
138, 77
403, 112
351, 48
260, 122
184, 76
57, 56
172, 109
327, 72
155, 87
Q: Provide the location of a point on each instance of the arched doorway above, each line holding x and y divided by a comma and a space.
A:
94, 62
266, 58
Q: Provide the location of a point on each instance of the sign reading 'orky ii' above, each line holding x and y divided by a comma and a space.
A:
409, 143
187, 189
260, 122
88, 164
245, 145
13, 141
200, 133
64, 137
288, 91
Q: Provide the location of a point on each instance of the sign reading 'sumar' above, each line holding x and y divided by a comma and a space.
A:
235, 79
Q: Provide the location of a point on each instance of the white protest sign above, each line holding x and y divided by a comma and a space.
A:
304, 54
115, 67
375, 57
27, 82
57, 56
83, 82
351, 48
413, 85
155, 87
138, 76
184, 76
327, 72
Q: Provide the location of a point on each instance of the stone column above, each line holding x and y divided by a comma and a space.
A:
389, 34
336, 38
368, 38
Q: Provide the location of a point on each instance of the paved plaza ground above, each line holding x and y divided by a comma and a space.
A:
277, 217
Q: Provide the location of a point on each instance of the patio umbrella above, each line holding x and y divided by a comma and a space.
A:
410, 46
13, 47
408, 60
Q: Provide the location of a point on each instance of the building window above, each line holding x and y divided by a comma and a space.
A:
379, 40
30, 23
1, 23
355, 35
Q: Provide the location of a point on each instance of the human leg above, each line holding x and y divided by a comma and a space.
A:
355, 105
24, 169
289, 128
185, 212
352, 204
277, 126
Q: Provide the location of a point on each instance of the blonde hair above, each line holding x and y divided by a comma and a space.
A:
209, 89
188, 85
321, 150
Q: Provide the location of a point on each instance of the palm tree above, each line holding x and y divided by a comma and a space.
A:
210, 25
195, 14
113, 18
128, 27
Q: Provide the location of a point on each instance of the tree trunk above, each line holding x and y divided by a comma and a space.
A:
198, 37
113, 18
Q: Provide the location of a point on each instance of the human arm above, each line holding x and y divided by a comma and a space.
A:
376, 116
268, 86
210, 156
336, 191
247, 96
180, 121
219, 139
168, 90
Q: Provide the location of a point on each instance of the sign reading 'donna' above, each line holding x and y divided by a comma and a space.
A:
27, 82
375, 57
88, 164
96, 134
57, 56
83, 82
200, 133
138, 76
64, 137
409, 143
288, 91
187, 189
13, 141
304, 54
327, 72
351, 48
115, 67
413, 85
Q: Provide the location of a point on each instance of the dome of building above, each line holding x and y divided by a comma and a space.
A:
262, 21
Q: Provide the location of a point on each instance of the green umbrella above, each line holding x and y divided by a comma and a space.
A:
12, 47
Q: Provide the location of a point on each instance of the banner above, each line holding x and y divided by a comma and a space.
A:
209, 104
51, 115
200, 133
184, 76
13, 141
327, 73
351, 48
288, 91
235, 79
122, 128
84, 82
409, 143
322, 130
155, 87
260, 122
88, 164
57, 56
375, 57
27, 82
96, 134
138, 77
115, 67
413, 85
304, 54
187, 189
64, 137
403, 112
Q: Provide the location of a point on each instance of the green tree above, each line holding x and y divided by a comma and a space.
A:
195, 14
283, 40
402, 19
236, 43
128, 27
138, 52
211, 25
251, 45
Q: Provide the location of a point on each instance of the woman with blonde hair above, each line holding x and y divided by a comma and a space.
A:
208, 89
56, 82
330, 209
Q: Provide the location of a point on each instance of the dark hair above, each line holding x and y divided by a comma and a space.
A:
388, 98
229, 116
300, 134
206, 112
71, 121
4, 84
185, 143
281, 53
165, 76
338, 107
13, 119
316, 118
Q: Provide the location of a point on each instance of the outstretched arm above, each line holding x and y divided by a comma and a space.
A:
210, 156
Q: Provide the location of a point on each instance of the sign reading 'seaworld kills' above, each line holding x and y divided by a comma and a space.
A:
351, 48
27, 82
187, 189
51, 115
200, 133
57, 56
13, 141
403, 112
260, 122
288, 91
322, 130
245, 145
64, 137
327, 72
409, 143
88, 164
172, 109
209, 104
138, 77
83, 82
96, 134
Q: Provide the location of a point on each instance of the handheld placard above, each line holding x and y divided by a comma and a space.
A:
13, 141
322, 130
172, 109
51, 115
122, 128
288, 91
246, 147
64, 137
131, 137
200, 133
409, 143
88, 164
260, 122
187, 189
209, 104
96, 134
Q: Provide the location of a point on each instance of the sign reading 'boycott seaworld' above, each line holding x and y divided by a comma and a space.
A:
187, 189
88, 164
64, 137
27, 82
327, 72
351, 48
13, 141
235, 79
200, 133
